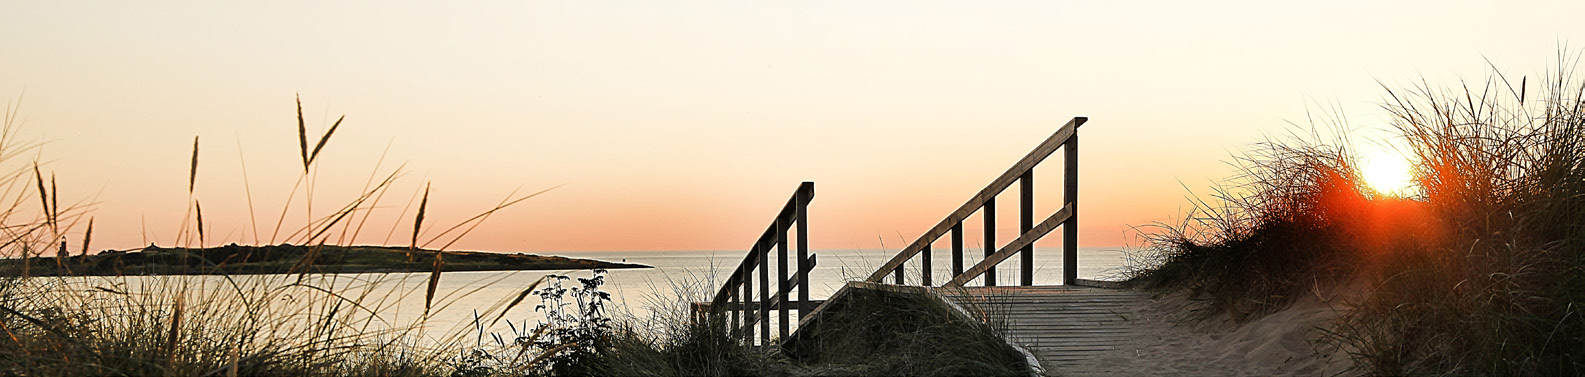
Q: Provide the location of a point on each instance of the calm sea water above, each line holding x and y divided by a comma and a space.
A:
678, 277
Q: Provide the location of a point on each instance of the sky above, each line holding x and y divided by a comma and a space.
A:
686, 125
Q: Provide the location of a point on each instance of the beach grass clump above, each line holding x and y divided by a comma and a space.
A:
1501, 293
1479, 269
1278, 229
874, 332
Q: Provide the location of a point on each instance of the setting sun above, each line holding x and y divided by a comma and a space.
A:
1387, 172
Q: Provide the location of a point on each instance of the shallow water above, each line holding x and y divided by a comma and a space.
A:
397, 299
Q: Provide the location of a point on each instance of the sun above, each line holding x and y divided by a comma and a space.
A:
1387, 172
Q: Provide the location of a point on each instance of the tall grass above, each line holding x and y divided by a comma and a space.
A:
294, 324
1481, 270
1501, 293
1274, 232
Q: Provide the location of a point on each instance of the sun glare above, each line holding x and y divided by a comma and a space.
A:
1387, 172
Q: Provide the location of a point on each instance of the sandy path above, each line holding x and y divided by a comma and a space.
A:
1167, 344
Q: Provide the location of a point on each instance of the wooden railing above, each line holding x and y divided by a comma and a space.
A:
737, 299
1023, 172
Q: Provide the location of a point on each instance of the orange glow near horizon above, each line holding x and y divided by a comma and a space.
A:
686, 126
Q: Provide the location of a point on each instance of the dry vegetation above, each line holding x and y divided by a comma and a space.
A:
298, 323
1482, 271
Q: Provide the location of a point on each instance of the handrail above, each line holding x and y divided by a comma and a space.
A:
737, 292
1017, 245
1066, 137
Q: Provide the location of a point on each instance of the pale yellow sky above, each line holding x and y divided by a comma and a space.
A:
687, 125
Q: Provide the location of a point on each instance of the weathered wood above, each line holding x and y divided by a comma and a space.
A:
924, 263
748, 312
1041, 319
989, 212
800, 198
1000, 183
1026, 221
764, 292
804, 270
737, 307
1027, 238
806, 262
738, 289
781, 282
1070, 195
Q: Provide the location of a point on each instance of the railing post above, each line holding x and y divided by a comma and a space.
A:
764, 294
748, 309
734, 324
803, 249
924, 278
781, 279
1026, 221
1070, 197
957, 249
990, 238
899, 275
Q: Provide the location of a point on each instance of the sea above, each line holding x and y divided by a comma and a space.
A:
473, 302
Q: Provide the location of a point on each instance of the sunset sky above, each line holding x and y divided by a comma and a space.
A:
686, 125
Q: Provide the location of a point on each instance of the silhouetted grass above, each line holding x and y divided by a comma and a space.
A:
1481, 271
1501, 292
878, 332
300, 323
1281, 227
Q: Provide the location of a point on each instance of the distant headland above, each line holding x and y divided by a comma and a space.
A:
235, 259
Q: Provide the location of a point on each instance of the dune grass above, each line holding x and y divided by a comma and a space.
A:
1480, 271
301, 323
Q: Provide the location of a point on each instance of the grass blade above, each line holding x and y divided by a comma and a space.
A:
434, 280
200, 210
247, 188
326, 138
518, 300
88, 236
192, 174
418, 222
44, 198
55, 207
302, 133
175, 333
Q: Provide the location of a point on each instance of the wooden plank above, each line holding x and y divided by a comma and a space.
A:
1025, 239
733, 306
1029, 161
782, 288
804, 271
764, 292
1026, 221
957, 249
1070, 196
799, 199
989, 212
804, 196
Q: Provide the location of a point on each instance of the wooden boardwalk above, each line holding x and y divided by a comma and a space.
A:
1060, 324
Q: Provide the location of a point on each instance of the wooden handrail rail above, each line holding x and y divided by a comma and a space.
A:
770, 237
1028, 238
737, 294
1001, 183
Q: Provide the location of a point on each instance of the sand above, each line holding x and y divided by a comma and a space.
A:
1168, 343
